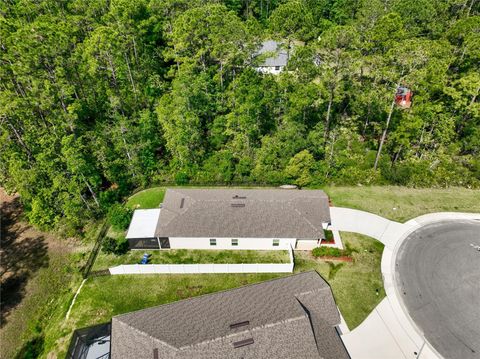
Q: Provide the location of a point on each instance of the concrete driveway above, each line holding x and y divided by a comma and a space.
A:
389, 331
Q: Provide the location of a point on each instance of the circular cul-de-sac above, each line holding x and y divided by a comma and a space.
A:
437, 275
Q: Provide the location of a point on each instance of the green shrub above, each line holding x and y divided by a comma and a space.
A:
182, 178
108, 245
119, 216
122, 246
328, 236
333, 269
327, 252
115, 246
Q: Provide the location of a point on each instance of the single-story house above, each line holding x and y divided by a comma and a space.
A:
284, 318
277, 58
260, 219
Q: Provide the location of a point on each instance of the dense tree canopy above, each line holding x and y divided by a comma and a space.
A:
98, 97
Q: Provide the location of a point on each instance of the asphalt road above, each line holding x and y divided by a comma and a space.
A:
438, 278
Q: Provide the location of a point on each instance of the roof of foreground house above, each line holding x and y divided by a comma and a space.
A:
243, 213
289, 317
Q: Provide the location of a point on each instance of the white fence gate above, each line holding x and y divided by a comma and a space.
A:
205, 268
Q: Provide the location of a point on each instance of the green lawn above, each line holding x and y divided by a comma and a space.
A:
184, 256
149, 198
401, 203
354, 284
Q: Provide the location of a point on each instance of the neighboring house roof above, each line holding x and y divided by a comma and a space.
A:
289, 317
144, 223
243, 213
271, 46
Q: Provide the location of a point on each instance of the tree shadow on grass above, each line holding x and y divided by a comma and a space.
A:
23, 251
32, 349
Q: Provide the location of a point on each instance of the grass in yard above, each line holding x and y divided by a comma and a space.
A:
401, 203
148, 198
354, 284
115, 233
184, 256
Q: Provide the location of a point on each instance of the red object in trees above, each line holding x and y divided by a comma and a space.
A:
403, 97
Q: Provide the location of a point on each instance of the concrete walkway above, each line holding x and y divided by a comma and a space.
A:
388, 332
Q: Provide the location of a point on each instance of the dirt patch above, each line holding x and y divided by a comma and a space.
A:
341, 259
330, 258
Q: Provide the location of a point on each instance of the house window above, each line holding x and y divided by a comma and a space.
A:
234, 242
213, 242
277, 68
276, 242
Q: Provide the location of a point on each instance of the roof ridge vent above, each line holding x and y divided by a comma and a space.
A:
243, 343
239, 324
237, 204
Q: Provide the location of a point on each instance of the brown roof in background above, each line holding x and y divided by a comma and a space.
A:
289, 317
243, 213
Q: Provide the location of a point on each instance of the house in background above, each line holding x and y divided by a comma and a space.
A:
276, 60
262, 219
289, 317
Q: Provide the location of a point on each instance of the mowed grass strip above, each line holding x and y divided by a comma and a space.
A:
148, 198
194, 256
402, 203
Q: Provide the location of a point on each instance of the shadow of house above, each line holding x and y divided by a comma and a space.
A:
23, 252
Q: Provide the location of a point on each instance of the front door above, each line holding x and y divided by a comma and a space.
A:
165, 243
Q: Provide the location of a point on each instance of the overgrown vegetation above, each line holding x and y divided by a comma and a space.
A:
119, 216
98, 98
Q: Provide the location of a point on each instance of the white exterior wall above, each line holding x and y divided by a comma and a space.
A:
307, 244
226, 243
269, 70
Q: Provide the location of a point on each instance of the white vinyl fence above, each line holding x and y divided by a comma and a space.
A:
205, 268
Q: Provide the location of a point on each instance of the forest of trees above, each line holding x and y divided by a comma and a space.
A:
99, 97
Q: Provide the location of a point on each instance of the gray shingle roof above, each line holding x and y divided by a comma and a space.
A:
280, 57
254, 213
289, 317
